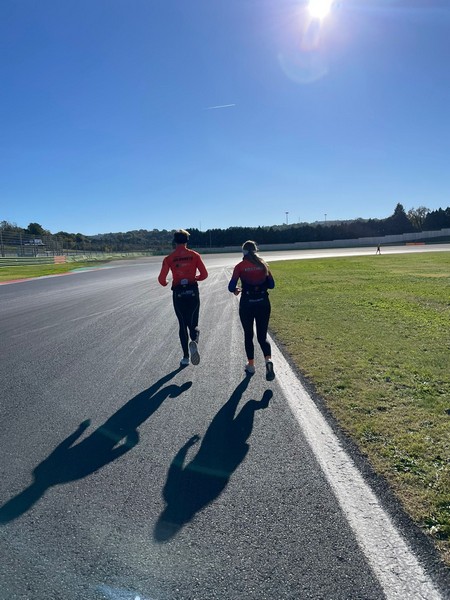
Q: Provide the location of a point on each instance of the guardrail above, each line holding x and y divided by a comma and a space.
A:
29, 261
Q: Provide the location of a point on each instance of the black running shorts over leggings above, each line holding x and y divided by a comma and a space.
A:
255, 310
186, 302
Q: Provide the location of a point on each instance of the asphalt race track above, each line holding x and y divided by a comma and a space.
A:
124, 477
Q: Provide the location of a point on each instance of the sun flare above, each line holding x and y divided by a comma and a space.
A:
319, 9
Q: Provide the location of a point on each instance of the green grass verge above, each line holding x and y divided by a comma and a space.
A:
373, 336
27, 272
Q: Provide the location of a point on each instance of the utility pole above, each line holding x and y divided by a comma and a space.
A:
287, 219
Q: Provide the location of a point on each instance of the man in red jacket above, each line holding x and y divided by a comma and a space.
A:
187, 269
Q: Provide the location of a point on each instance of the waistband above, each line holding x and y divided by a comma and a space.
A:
255, 293
184, 287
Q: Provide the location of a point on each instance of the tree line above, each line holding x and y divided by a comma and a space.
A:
414, 220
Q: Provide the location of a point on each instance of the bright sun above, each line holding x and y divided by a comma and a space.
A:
318, 9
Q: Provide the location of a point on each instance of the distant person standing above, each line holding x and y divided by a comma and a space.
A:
254, 305
187, 269
378, 249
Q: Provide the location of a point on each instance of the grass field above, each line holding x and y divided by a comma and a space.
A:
373, 336
26, 272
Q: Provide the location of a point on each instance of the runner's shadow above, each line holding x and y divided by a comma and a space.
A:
117, 436
190, 488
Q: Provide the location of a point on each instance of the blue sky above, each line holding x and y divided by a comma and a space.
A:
158, 114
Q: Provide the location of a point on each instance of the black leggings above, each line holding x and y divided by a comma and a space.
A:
259, 313
187, 307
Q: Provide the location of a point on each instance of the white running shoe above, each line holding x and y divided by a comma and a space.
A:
184, 361
195, 356
250, 369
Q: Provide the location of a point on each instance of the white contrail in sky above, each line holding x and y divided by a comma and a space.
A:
220, 106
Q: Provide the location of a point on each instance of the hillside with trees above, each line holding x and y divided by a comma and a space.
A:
154, 240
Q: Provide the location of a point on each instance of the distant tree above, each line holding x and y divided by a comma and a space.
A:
399, 209
36, 229
437, 219
417, 217
7, 226
67, 240
398, 223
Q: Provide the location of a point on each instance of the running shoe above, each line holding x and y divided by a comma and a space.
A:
195, 356
270, 374
250, 369
184, 361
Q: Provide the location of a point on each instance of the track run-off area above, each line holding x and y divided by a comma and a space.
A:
125, 477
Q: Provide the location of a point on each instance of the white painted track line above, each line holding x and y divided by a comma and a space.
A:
394, 564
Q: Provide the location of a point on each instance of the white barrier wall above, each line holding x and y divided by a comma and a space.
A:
405, 238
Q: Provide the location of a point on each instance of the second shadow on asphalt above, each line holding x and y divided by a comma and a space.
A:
191, 487
117, 436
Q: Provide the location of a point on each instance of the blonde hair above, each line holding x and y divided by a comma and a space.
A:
250, 250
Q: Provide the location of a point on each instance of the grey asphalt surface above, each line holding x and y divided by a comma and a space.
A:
126, 477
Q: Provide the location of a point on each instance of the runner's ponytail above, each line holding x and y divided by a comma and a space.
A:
250, 251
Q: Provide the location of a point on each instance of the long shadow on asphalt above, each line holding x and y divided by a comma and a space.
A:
111, 440
190, 488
